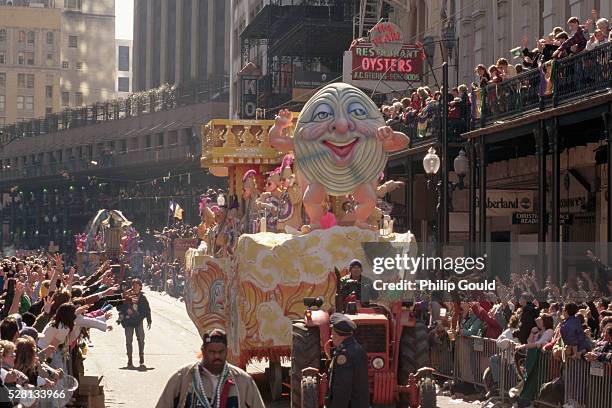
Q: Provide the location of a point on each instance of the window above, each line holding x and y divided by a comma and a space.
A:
147, 141
21, 58
2, 79
2, 102
29, 56
2, 60
29, 103
2, 35
160, 139
49, 59
30, 81
72, 4
122, 146
30, 37
20, 102
123, 84
65, 98
64, 64
78, 98
79, 66
72, 41
20, 80
172, 138
124, 58
50, 37
22, 36
49, 91
48, 110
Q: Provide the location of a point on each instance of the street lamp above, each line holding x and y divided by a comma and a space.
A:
462, 167
431, 165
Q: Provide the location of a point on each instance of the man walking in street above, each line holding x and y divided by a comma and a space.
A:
212, 382
348, 378
132, 312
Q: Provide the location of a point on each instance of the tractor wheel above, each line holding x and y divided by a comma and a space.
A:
414, 354
305, 352
414, 351
427, 393
274, 374
310, 392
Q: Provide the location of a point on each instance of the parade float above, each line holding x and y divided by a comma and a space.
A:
304, 194
109, 236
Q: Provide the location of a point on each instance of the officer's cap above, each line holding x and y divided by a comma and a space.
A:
215, 336
342, 324
355, 262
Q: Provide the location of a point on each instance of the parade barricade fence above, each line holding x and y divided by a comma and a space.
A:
442, 356
465, 359
472, 358
588, 384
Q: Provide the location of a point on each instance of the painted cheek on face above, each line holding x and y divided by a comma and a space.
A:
366, 127
314, 131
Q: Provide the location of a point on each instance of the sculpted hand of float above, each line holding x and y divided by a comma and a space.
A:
341, 144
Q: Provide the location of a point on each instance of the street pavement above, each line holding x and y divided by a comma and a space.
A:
172, 342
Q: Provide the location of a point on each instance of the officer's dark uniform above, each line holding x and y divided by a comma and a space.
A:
363, 287
348, 379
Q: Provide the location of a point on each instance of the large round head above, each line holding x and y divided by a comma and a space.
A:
335, 139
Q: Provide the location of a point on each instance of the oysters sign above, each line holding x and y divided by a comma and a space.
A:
386, 57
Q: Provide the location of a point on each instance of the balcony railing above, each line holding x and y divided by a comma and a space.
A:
163, 98
554, 84
124, 159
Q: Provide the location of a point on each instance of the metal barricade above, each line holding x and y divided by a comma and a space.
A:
442, 356
472, 356
588, 385
508, 376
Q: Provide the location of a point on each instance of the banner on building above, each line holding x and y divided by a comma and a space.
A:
533, 218
305, 82
507, 202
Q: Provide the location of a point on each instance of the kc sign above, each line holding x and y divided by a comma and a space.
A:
249, 97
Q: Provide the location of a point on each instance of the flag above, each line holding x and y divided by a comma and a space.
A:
175, 210
178, 212
516, 52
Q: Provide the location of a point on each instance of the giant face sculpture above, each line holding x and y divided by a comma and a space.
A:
341, 145
335, 139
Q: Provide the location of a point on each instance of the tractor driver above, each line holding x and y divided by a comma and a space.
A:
357, 284
348, 372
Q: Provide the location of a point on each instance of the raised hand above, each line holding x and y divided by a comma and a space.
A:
283, 119
384, 133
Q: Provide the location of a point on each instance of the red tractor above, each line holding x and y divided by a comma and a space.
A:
395, 339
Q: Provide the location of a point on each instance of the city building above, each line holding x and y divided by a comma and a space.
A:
282, 50
52, 56
178, 41
123, 52
30, 54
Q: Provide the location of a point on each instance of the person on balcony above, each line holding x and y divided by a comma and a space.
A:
576, 42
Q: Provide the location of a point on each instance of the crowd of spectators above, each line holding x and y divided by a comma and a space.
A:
570, 322
414, 114
47, 310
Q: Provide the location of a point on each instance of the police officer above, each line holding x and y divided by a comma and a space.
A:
356, 283
348, 378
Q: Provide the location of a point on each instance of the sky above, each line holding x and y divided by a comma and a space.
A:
124, 19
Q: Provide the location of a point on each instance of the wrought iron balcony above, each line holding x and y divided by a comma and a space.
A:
100, 162
556, 83
160, 99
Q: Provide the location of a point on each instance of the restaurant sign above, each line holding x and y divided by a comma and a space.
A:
386, 57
